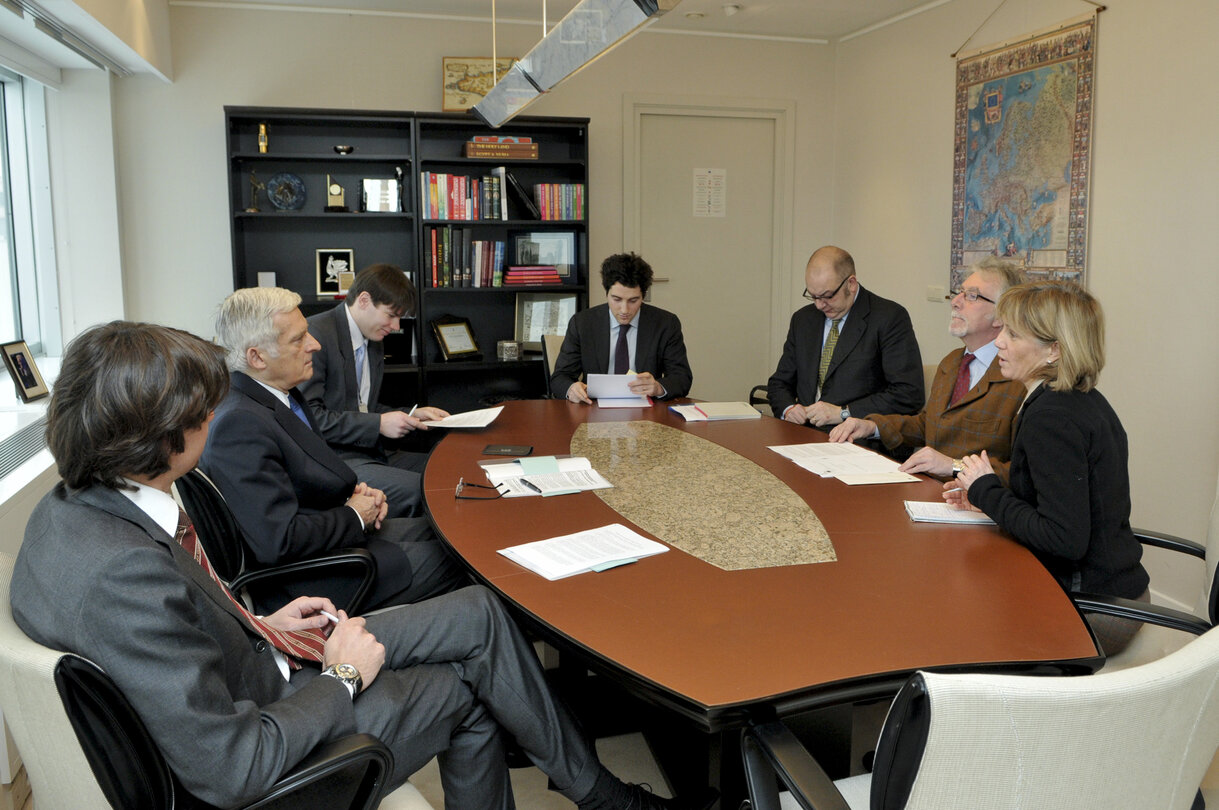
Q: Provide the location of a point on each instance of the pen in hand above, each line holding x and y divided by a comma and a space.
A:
412, 410
329, 615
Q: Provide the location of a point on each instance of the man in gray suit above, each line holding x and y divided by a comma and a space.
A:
344, 391
110, 569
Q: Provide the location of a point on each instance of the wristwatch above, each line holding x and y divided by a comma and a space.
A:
845, 415
346, 674
958, 464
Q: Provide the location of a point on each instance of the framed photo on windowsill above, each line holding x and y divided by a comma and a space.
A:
21, 368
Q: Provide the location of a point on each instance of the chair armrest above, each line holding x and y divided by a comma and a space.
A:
1170, 542
366, 756
352, 563
758, 395
1138, 611
771, 748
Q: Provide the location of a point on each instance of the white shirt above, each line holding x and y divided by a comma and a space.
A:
163, 510
983, 357
357, 341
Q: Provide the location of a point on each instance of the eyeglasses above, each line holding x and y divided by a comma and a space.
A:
827, 296
462, 486
970, 295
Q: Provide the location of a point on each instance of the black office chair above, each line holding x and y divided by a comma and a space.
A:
759, 398
353, 569
1138, 738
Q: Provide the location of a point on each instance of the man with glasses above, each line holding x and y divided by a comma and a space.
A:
971, 407
849, 352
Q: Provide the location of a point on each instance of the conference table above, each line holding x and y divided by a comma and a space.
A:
717, 646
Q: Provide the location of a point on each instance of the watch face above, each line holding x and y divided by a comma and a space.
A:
347, 671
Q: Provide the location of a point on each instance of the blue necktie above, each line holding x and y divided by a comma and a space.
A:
359, 366
300, 412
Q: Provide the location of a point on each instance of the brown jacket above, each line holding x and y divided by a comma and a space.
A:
982, 420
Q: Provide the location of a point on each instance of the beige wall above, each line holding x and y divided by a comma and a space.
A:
1155, 201
171, 136
874, 162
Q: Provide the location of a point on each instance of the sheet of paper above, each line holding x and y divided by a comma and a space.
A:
633, 401
499, 471
610, 386
469, 419
892, 477
941, 512
715, 411
562, 483
831, 460
576, 553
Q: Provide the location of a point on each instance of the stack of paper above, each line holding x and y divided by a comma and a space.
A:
592, 550
715, 411
849, 463
544, 475
613, 391
941, 512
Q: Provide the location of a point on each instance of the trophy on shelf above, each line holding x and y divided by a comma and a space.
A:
262, 138
334, 197
255, 187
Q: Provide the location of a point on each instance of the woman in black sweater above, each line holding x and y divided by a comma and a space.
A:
1069, 495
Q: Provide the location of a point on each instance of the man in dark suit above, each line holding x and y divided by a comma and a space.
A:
848, 352
109, 569
292, 496
971, 407
345, 388
622, 335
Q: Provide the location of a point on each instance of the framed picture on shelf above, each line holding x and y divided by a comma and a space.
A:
468, 78
21, 368
551, 248
456, 338
540, 314
335, 270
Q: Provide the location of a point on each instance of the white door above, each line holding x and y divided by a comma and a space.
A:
708, 186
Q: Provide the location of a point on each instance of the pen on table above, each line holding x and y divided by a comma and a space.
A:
531, 485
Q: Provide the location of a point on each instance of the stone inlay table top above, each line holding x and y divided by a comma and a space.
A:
700, 497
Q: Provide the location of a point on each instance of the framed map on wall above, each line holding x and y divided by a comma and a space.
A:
1022, 146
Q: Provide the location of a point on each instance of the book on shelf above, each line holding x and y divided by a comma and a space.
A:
523, 196
559, 201
456, 259
532, 274
501, 139
512, 151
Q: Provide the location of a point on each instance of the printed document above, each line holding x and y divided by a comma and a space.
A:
469, 419
941, 512
591, 550
613, 391
849, 463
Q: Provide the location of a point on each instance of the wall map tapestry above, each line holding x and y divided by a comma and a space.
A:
1021, 153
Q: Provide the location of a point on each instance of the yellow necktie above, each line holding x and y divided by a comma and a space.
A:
827, 351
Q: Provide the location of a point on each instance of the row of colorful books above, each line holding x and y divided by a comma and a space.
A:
469, 199
454, 259
560, 200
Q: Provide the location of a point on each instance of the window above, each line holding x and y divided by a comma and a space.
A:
28, 299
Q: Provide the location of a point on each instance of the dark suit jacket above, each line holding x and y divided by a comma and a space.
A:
1070, 493
660, 350
984, 419
332, 393
97, 576
285, 486
876, 366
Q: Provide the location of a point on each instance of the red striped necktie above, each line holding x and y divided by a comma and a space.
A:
297, 645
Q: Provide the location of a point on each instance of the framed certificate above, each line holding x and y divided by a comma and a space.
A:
456, 338
540, 314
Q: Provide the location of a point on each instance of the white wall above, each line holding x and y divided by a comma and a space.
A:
1155, 200
171, 137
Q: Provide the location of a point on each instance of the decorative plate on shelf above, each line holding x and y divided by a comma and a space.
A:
286, 192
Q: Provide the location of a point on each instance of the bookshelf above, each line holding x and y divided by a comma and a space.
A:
414, 146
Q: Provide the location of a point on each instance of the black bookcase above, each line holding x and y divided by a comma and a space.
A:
385, 145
